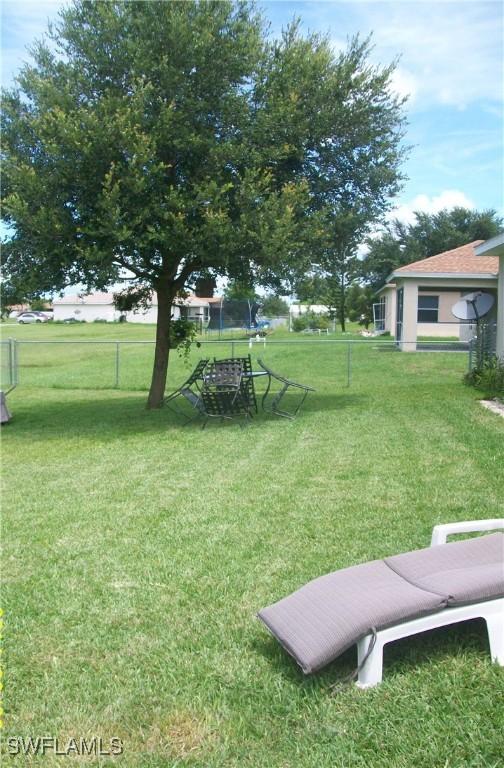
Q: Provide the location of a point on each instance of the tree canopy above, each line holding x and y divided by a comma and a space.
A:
239, 290
172, 141
273, 306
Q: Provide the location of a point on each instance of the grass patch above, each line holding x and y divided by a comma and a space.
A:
120, 355
137, 552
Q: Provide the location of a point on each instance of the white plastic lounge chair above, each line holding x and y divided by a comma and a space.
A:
374, 603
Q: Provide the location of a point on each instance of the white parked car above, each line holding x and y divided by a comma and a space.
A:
31, 317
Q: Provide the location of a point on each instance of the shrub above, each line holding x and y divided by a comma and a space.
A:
299, 323
310, 320
488, 378
322, 322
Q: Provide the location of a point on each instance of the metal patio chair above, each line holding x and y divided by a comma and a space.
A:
277, 398
247, 379
190, 390
222, 396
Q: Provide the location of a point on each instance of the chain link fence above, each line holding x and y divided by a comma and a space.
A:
127, 365
8, 365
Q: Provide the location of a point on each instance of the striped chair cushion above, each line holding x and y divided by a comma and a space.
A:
318, 622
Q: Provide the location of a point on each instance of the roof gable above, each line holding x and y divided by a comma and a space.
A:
459, 261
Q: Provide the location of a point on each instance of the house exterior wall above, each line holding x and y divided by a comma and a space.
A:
302, 309
193, 311
86, 312
447, 324
143, 316
89, 310
495, 247
500, 309
410, 308
390, 312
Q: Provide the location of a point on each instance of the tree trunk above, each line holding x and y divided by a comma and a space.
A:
162, 352
342, 306
342, 310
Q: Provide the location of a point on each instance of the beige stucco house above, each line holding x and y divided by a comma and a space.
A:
418, 298
495, 247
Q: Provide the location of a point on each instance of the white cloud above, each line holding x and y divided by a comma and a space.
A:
339, 45
404, 83
451, 50
22, 24
449, 198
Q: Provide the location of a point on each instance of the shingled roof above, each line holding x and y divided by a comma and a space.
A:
459, 261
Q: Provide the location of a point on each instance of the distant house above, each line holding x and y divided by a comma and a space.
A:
495, 248
197, 308
417, 299
86, 307
100, 306
16, 309
301, 309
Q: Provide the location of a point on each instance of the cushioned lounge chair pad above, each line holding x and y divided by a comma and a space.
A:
318, 622
464, 571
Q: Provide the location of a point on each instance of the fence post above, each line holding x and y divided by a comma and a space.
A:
117, 366
12, 364
12, 375
15, 362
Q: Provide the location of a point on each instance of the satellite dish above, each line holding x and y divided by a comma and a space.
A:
473, 306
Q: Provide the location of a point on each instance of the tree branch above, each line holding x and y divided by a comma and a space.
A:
185, 273
136, 271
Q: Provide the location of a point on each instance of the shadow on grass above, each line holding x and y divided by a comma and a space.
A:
281, 662
400, 656
117, 415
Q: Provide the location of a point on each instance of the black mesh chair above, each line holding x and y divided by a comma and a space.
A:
247, 380
190, 390
277, 398
221, 394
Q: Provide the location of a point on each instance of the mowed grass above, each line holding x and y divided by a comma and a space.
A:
104, 355
137, 552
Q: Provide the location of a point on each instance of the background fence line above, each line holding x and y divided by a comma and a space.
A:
70, 370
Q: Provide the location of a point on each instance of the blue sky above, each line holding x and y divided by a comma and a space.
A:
451, 54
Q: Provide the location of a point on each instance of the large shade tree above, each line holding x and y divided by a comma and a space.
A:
172, 141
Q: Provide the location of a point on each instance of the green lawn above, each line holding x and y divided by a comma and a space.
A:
137, 552
85, 355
